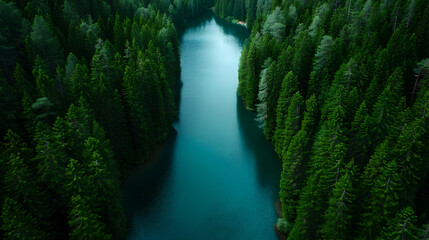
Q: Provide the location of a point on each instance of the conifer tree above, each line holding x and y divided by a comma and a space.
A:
153, 91
360, 140
249, 82
408, 154
288, 88
84, 223
274, 77
292, 121
75, 178
79, 82
295, 162
17, 223
14, 27
308, 209
328, 161
27, 114
382, 202
136, 109
45, 45
338, 216
110, 115
274, 24
402, 226
301, 64
51, 157
45, 84
318, 78
100, 169
264, 91
385, 109
371, 102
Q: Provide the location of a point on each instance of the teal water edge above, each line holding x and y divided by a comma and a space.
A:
217, 178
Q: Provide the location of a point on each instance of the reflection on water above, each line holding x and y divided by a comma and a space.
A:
263, 150
218, 177
236, 31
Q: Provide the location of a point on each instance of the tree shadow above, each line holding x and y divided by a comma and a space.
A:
232, 29
141, 189
268, 165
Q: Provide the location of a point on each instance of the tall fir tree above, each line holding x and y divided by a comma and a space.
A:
295, 162
288, 89
17, 223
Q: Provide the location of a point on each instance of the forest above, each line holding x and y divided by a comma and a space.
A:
87, 92
341, 89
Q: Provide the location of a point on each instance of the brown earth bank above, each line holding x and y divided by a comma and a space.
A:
242, 23
279, 208
280, 235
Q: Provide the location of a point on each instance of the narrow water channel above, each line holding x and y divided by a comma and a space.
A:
217, 178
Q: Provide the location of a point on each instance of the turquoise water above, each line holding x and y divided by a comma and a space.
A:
217, 178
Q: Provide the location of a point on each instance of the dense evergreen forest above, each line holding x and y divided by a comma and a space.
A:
86, 94
341, 88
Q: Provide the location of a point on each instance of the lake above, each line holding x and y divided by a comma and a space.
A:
217, 177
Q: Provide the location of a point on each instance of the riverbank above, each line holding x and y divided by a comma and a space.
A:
152, 159
236, 21
243, 23
202, 179
231, 19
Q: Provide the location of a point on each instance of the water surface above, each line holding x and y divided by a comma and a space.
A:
218, 177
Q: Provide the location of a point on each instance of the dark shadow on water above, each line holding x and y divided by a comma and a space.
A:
229, 28
143, 189
232, 29
196, 23
143, 186
267, 163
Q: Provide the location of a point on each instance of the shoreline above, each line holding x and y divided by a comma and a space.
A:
153, 156
279, 208
243, 23
230, 19
151, 160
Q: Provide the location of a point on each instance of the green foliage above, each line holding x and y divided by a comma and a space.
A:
283, 226
84, 223
274, 24
42, 108
309, 209
88, 119
13, 29
366, 64
402, 226
338, 216
302, 59
293, 120
45, 45
288, 89
264, 91
382, 202
295, 161
17, 223
248, 87
424, 232
83, 122
51, 157
133, 93
359, 136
